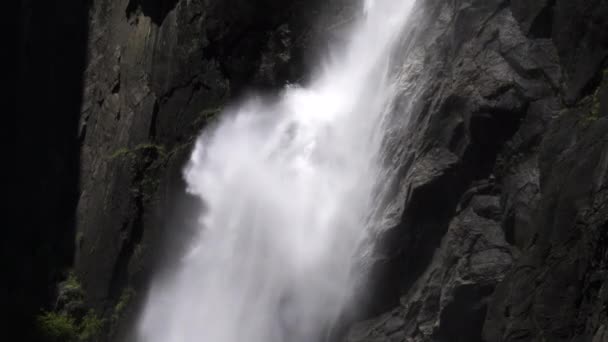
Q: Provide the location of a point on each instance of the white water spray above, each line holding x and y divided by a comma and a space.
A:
288, 189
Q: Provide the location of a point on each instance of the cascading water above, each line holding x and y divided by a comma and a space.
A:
287, 187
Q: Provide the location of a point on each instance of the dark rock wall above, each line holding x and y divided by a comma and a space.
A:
158, 72
495, 228
495, 218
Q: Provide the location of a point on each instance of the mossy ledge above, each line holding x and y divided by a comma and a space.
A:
69, 321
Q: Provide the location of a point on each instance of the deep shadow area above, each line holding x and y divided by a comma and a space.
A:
37, 249
463, 318
157, 10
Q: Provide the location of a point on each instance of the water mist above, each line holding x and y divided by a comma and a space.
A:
287, 187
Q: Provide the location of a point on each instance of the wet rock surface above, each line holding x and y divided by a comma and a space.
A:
158, 72
495, 222
497, 225
493, 227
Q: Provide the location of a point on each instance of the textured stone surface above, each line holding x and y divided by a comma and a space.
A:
496, 218
158, 72
486, 231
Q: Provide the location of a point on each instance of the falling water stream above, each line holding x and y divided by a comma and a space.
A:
287, 185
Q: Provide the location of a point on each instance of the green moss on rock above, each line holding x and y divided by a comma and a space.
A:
124, 300
124, 152
90, 327
61, 327
207, 115
57, 327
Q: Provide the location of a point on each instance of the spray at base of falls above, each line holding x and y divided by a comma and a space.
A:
288, 188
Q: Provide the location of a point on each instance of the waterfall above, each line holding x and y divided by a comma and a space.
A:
287, 185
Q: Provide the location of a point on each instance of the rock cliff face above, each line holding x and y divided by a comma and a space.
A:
495, 227
158, 72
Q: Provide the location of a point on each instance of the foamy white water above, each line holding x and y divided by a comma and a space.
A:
287, 186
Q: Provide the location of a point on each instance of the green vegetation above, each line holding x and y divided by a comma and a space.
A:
126, 152
61, 327
72, 282
121, 152
147, 160
595, 105
90, 327
68, 323
151, 147
144, 159
57, 327
594, 101
71, 293
124, 300
207, 115
148, 185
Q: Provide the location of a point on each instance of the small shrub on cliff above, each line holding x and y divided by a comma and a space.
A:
137, 150
207, 115
123, 301
56, 327
72, 283
70, 297
70, 322
90, 327
61, 327
119, 153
